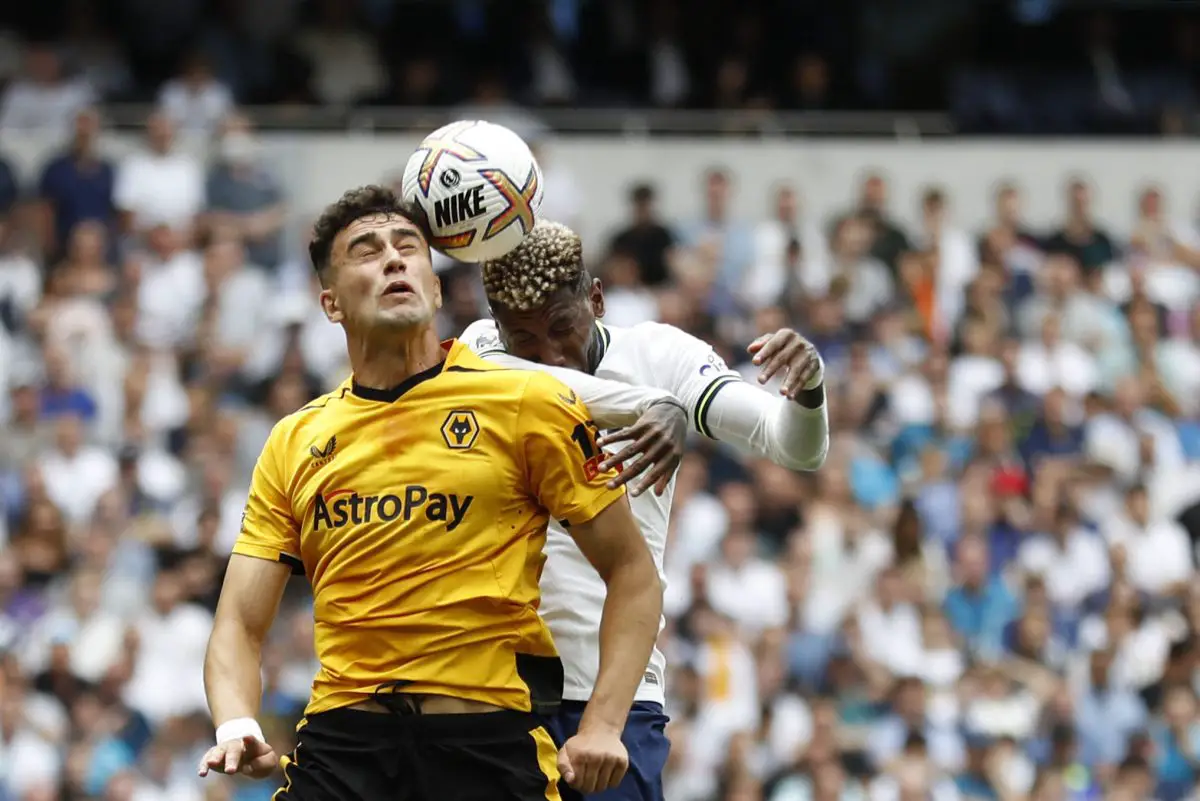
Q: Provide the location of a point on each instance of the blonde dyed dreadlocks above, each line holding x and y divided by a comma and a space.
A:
549, 258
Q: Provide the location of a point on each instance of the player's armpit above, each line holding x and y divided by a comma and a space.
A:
613, 543
249, 602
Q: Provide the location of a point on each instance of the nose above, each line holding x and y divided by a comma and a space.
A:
393, 262
550, 353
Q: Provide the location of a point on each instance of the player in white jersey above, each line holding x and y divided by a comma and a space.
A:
545, 307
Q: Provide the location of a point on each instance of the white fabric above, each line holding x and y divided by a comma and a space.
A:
170, 296
76, 482
665, 358
238, 728
160, 188
1159, 554
168, 677
1072, 571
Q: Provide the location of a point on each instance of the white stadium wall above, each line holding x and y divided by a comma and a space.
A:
317, 167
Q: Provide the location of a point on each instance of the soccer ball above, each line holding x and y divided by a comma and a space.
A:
479, 186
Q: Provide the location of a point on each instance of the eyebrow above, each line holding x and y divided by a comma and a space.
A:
373, 236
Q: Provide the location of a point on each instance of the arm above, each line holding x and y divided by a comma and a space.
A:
247, 608
265, 554
612, 404
793, 433
778, 429
614, 545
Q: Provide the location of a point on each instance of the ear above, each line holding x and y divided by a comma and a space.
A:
437, 292
596, 298
329, 305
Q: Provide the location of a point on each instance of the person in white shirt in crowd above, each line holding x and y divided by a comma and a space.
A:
170, 288
159, 184
75, 473
891, 626
1165, 252
1132, 437
231, 322
1052, 361
1158, 551
168, 644
195, 100
974, 374
44, 102
775, 273
94, 637
1072, 560
546, 309
749, 590
30, 762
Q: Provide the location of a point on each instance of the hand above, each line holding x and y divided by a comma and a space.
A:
594, 760
248, 755
658, 436
793, 356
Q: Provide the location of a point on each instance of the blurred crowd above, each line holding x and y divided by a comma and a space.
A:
1037, 66
988, 592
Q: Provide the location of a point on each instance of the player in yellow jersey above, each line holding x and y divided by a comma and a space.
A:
415, 498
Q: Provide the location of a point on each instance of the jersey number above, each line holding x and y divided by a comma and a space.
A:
584, 436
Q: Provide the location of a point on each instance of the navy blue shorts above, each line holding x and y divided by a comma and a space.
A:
645, 738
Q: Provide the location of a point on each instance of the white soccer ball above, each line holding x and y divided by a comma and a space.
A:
480, 187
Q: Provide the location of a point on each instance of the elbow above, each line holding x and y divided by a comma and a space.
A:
809, 462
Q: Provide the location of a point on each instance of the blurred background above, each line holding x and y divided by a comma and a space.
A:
985, 215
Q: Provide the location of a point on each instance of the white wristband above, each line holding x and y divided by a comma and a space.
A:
238, 728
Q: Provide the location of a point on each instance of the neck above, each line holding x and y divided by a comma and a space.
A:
383, 361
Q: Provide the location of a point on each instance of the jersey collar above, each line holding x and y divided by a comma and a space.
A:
452, 348
601, 339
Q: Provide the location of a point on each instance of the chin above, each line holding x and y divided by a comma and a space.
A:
404, 318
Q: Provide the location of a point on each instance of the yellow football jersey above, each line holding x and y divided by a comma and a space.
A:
419, 515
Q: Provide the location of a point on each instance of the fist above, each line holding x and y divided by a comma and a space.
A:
593, 760
792, 357
248, 756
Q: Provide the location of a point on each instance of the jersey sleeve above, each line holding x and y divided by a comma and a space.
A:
687, 367
269, 530
562, 460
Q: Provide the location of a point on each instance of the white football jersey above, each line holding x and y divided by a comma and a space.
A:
650, 355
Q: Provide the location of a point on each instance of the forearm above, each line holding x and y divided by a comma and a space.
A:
775, 428
628, 631
232, 673
612, 404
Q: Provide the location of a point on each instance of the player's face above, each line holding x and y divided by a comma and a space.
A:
559, 333
381, 275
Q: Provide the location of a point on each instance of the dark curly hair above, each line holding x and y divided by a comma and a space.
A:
354, 205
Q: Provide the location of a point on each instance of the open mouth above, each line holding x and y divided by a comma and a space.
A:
398, 288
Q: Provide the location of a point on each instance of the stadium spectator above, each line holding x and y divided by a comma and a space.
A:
45, 100
159, 185
241, 193
77, 185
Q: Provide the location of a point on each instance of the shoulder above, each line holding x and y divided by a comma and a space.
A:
660, 342
482, 337
294, 427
